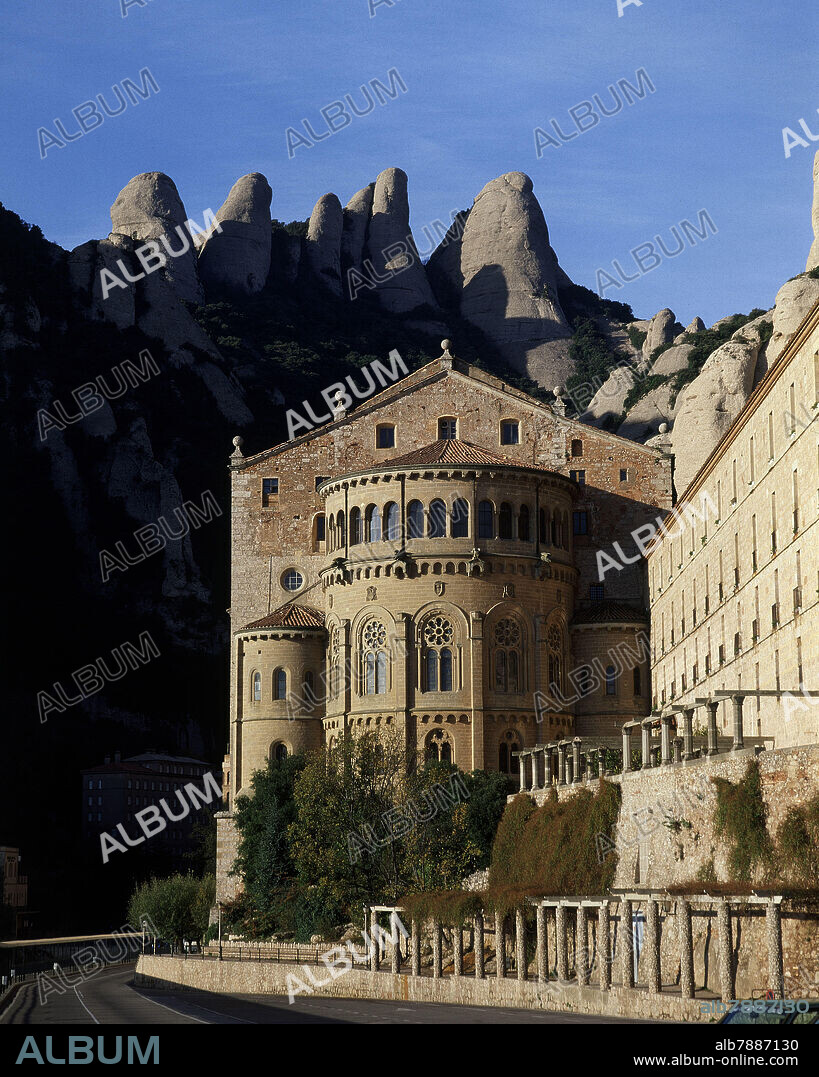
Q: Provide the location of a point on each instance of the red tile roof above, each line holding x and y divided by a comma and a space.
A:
290, 615
451, 451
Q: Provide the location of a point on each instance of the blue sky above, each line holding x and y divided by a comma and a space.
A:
480, 76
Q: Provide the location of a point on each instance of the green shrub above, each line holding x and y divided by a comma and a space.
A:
642, 388
636, 336
739, 819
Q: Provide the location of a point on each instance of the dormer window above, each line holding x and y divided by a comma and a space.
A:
447, 429
385, 436
510, 432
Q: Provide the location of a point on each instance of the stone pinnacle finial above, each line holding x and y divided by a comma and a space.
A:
238, 442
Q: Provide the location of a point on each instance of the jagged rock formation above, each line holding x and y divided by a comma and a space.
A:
707, 406
644, 418
444, 267
813, 257
392, 249
86, 263
608, 403
673, 359
149, 208
322, 251
793, 301
354, 231
237, 259
509, 274
662, 329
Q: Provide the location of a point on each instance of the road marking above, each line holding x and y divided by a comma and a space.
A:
170, 1009
218, 1013
79, 999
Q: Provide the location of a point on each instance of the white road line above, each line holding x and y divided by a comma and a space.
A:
79, 999
229, 1016
169, 1008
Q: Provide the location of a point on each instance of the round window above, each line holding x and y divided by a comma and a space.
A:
292, 580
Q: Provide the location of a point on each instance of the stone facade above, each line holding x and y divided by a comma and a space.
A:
735, 589
427, 563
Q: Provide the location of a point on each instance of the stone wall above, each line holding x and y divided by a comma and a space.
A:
227, 847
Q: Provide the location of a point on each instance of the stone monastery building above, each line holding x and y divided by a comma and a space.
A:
427, 563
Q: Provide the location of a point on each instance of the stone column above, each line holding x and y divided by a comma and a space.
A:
500, 947
547, 768
688, 734
374, 954
457, 950
396, 944
536, 754
569, 769
520, 943
576, 760
773, 929
437, 948
522, 765
415, 948
713, 707
652, 943
561, 762
480, 971
725, 957
646, 743
542, 952
626, 748
678, 750
665, 741
626, 944
561, 943
581, 949
686, 949
604, 946
739, 743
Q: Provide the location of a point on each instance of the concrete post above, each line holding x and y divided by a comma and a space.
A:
604, 946
480, 971
576, 760
652, 941
626, 944
739, 743
665, 741
646, 731
437, 948
415, 948
520, 943
374, 954
547, 768
726, 956
561, 943
500, 947
561, 762
626, 748
686, 949
396, 944
773, 929
688, 734
457, 950
713, 707
581, 949
542, 952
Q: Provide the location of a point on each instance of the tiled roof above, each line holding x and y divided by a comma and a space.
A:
120, 768
452, 451
290, 615
610, 613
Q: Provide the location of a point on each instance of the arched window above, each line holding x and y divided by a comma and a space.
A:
390, 521
372, 524
460, 518
332, 533
505, 521
523, 523
278, 752
507, 762
611, 681
374, 642
279, 684
415, 520
554, 541
555, 645
486, 520
508, 660
436, 527
543, 527
341, 530
319, 530
438, 636
638, 688
257, 687
355, 526
309, 688
438, 747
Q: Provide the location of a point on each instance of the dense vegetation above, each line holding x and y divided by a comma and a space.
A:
177, 908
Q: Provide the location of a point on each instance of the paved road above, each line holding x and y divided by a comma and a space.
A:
110, 998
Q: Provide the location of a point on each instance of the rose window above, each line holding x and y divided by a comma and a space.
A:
507, 633
375, 636
438, 632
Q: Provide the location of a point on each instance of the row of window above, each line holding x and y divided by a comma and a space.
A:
721, 659
437, 521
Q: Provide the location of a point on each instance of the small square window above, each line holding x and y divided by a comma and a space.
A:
385, 436
596, 592
623, 474
581, 523
270, 489
447, 429
577, 447
579, 477
510, 432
